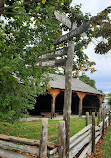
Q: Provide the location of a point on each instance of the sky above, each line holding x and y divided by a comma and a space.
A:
103, 62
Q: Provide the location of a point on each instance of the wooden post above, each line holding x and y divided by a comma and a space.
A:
80, 107
68, 94
109, 118
98, 121
103, 128
54, 93
100, 108
43, 138
53, 107
81, 96
93, 133
87, 118
100, 113
61, 139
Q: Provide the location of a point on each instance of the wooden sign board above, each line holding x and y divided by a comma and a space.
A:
63, 19
72, 33
52, 63
51, 55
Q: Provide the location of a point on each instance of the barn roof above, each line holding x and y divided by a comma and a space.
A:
58, 81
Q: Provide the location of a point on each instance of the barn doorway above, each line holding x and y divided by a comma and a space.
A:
91, 104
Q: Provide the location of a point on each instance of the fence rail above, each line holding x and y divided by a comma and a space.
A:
81, 144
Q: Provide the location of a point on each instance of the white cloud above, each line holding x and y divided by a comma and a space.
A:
92, 6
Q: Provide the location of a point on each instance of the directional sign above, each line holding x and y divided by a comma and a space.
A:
62, 18
51, 55
72, 33
74, 26
52, 63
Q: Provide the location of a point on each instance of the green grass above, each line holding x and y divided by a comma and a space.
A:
31, 130
106, 147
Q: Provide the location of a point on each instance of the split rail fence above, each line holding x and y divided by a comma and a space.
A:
81, 144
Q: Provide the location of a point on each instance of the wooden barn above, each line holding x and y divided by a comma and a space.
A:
84, 98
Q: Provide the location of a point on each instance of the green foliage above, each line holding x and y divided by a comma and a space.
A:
22, 39
106, 147
28, 29
88, 81
101, 26
109, 98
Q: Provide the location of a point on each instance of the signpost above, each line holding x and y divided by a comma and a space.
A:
51, 63
51, 55
68, 94
68, 71
72, 33
63, 19
62, 62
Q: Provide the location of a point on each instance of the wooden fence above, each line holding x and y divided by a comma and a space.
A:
81, 144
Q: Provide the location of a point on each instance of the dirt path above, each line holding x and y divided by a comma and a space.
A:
99, 146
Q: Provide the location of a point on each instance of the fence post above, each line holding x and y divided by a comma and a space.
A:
87, 118
93, 133
109, 118
103, 123
99, 115
43, 138
61, 139
105, 115
100, 110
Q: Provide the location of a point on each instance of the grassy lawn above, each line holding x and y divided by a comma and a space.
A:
106, 147
31, 130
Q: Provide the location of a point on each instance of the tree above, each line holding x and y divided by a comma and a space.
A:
101, 27
28, 29
24, 34
88, 81
109, 99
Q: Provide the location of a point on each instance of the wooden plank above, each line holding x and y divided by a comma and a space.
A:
53, 54
11, 146
61, 139
72, 33
106, 118
80, 133
53, 153
101, 124
98, 128
11, 154
27, 149
97, 134
86, 152
51, 63
43, 138
68, 94
63, 19
80, 139
97, 139
78, 147
87, 149
25, 141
